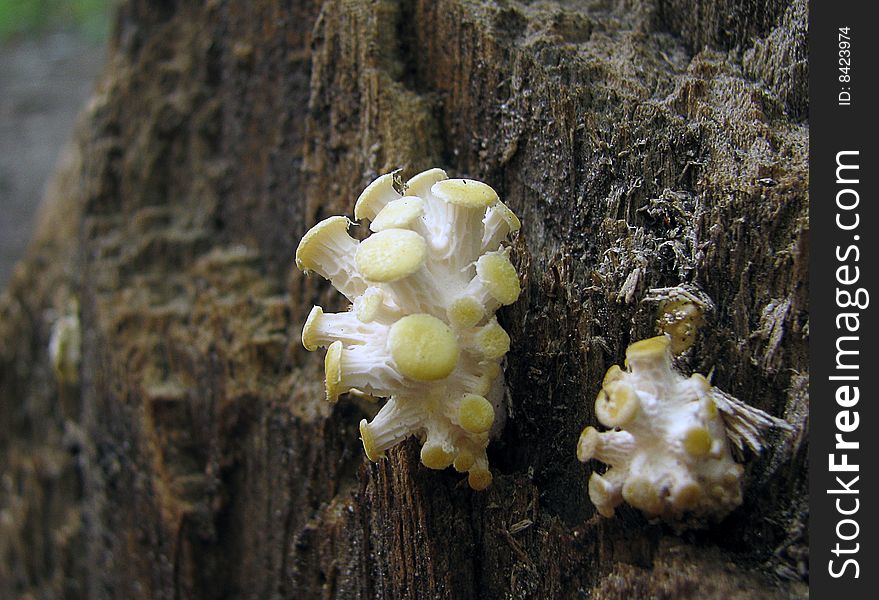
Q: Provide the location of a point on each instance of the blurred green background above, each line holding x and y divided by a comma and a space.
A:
91, 18
51, 54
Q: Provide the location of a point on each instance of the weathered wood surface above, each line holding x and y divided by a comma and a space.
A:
644, 143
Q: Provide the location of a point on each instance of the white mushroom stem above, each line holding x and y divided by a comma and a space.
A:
479, 476
394, 423
606, 492
328, 250
610, 447
375, 305
499, 222
322, 329
439, 450
459, 239
418, 292
434, 208
460, 242
368, 368
472, 376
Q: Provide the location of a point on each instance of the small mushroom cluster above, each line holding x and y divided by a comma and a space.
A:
667, 446
421, 331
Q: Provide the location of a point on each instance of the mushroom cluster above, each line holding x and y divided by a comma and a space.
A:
421, 331
667, 446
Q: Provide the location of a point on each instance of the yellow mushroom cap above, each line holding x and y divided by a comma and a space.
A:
465, 192
493, 342
463, 461
614, 373
326, 229
697, 441
398, 214
368, 305
475, 413
390, 255
434, 456
309, 329
375, 196
420, 184
648, 351
372, 453
507, 215
491, 369
499, 275
465, 312
617, 404
588, 444
333, 371
642, 494
479, 478
423, 347
687, 495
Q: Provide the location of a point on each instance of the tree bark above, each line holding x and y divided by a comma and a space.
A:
643, 143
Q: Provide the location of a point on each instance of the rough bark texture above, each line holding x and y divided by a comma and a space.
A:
644, 143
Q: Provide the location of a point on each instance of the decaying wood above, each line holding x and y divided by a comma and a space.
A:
643, 143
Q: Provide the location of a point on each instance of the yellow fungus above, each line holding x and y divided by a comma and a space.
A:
681, 319
643, 495
667, 452
614, 373
465, 192
421, 332
697, 441
390, 255
463, 461
308, 330
372, 453
465, 312
617, 404
419, 185
435, 457
475, 413
588, 444
374, 198
492, 341
601, 496
499, 276
369, 304
309, 247
687, 496
398, 214
423, 347
647, 351
479, 478
333, 371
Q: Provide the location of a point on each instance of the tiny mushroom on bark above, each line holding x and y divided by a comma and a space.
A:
667, 446
421, 330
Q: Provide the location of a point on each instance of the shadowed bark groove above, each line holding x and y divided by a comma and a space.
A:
643, 143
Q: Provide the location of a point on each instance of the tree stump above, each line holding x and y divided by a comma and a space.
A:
643, 143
